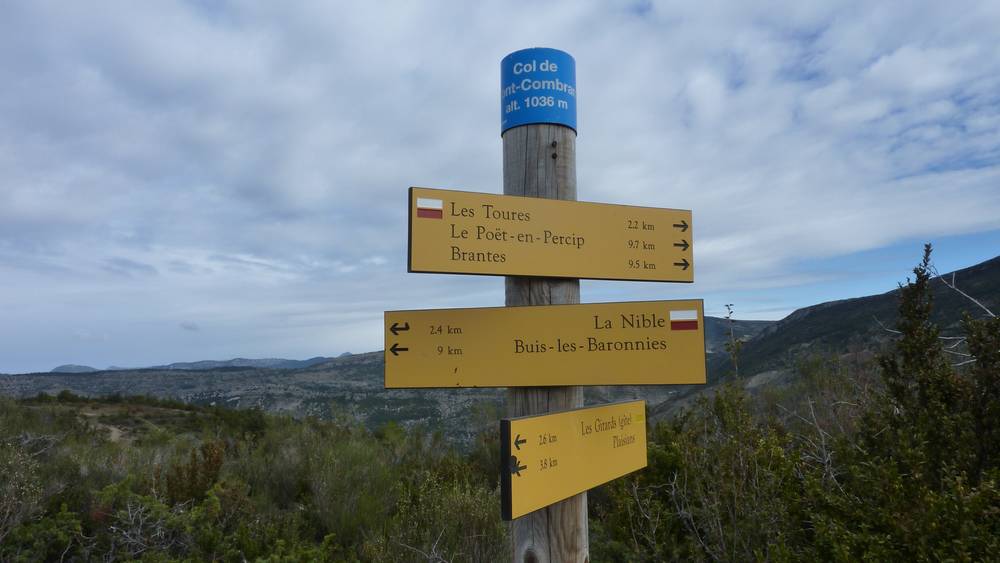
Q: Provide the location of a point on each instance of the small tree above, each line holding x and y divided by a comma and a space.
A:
984, 379
733, 345
925, 414
923, 481
20, 491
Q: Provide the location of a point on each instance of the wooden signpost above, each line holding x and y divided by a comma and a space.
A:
539, 160
632, 343
554, 456
544, 345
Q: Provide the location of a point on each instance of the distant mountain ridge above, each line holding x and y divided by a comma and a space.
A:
716, 334
836, 327
265, 363
324, 386
73, 368
204, 365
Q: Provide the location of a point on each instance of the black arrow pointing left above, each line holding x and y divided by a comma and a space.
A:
518, 440
396, 349
516, 467
396, 329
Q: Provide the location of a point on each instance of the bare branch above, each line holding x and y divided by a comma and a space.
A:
954, 353
885, 328
433, 556
677, 494
37, 445
954, 287
894, 331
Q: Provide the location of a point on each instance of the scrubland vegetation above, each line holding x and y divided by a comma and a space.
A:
890, 460
179, 482
893, 460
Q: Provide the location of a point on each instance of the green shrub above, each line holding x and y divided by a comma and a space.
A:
442, 520
20, 487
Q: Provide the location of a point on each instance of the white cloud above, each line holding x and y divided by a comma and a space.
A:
911, 69
235, 163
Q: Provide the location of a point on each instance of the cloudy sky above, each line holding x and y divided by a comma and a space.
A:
210, 179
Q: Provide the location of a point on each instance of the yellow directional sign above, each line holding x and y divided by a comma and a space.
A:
551, 457
455, 232
634, 343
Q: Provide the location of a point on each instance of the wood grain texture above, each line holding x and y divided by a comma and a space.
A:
558, 533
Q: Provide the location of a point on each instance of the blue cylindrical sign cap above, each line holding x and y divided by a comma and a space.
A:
537, 86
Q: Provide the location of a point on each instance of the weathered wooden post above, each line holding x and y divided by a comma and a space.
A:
538, 127
538, 351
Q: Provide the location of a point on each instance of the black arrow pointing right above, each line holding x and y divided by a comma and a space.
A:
518, 440
683, 264
396, 329
683, 244
683, 226
515, 466
396, 349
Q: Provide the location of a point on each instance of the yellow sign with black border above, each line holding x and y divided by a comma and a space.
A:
551, 457
457, 232
630, 343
